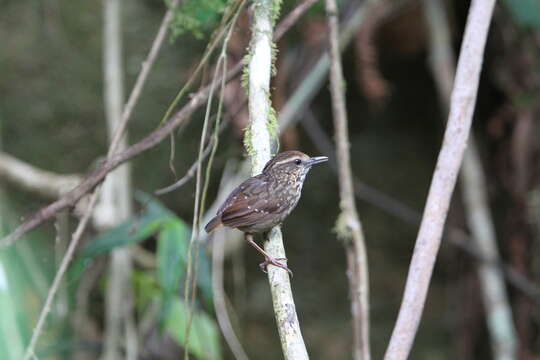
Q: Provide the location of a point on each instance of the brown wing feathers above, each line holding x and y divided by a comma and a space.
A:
242, 207
213, 224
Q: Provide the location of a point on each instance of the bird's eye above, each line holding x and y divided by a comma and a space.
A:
297, 161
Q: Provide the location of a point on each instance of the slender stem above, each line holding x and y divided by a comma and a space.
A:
349, 225
200, 188
147, 65
29, 353
114, 205
293, 17
444, 179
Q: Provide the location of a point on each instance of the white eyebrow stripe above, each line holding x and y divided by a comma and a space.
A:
286, 160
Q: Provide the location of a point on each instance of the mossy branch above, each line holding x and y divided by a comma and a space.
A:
258, 137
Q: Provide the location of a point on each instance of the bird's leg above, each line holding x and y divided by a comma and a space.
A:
268, 260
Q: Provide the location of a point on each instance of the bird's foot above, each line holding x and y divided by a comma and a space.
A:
275, 262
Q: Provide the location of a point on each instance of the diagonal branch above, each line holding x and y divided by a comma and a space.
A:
444, 179
474, 194
150, 141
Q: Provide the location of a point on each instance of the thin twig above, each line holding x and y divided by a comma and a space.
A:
114, 205
349, 227
444, 179
29, 353
475, 199
192, 169
143, 75
200, 188
92, 180
292, 17
258, 140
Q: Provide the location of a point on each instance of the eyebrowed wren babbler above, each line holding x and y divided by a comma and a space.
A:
264, 201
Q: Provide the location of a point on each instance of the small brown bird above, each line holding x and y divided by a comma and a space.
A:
264, 201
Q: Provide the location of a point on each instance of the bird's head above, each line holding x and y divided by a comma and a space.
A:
292, 164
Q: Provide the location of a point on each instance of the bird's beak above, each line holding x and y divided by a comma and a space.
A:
317, 160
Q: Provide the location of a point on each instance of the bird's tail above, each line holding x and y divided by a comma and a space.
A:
213, 224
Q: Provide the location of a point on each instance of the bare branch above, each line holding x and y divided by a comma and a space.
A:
114, 205
474, 193
92, 180
349, 226
143, 75
36, 180
293, 17
444, 179
29, 353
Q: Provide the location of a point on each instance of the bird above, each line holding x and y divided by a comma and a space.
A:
265, 200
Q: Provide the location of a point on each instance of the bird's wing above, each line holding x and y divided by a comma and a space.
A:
248, 204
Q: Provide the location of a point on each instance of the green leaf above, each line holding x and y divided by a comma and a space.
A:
204, 338
146, 288
172, 249
12, 337
173, 245
196, 16
525, 12
171, 253
204, 277
134, 230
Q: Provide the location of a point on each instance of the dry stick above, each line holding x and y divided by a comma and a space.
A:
258, 140
444, 179
73, 196
349, 227
31, 178
496, 304
293, 17
92, 180
143, 75
29, 353
114, 205
475, 199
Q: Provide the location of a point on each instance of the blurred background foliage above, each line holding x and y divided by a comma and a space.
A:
51, 116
